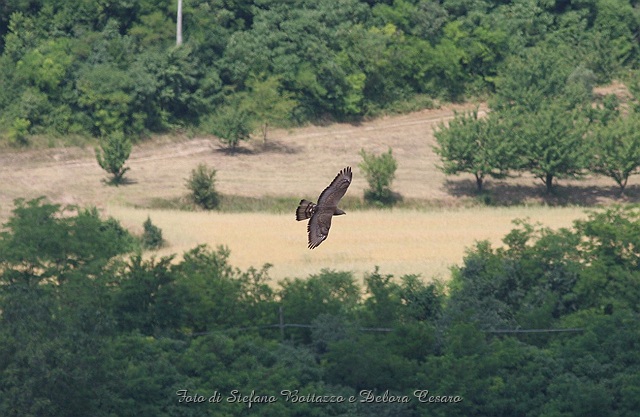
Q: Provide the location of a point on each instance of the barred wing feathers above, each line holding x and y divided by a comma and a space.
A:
318, 227
337, 189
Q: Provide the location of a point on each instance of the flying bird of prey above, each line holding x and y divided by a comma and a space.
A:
320, 214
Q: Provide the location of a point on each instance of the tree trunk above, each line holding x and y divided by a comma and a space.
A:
548, 181
479, 182
179, 24
622, 183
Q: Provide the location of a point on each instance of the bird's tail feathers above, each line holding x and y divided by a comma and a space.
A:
305, 210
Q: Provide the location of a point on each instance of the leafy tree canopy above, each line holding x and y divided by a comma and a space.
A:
343, 62
86, 331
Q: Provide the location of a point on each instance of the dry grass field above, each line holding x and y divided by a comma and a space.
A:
398, 241
299, 163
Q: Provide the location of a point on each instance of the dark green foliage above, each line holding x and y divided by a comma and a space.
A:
151, 235
202, 184
55, 274
541, 113
216, 295
85, 331
379, 170
91, 69
113, 154
532, 79
39, 238
328, 293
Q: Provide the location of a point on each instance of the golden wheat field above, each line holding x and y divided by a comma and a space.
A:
398, 241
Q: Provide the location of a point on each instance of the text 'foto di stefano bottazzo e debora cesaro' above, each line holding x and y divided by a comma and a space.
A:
294, 396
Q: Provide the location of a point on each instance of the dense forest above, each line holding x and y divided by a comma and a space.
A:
87, 67
547, 326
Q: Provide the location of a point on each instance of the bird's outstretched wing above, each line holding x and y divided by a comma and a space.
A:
336, 190
318, 226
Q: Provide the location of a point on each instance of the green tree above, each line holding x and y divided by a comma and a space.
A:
383, 303
40, 238
551, 142
46, 67
350, 362
327, 293
528, 81
268, 103
607, 238
105, 95
445, 65
379, 170
615, 149
215, 295
477, 146
611, 40
56, 270
202, 184
141, 301
231, 124
113, 154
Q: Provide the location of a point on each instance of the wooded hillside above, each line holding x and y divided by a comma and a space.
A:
99, 67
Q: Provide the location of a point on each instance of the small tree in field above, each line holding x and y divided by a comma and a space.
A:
202, 186
379, 170
476, 146
615, 149
231, 125
113, 154
551, 142
268, 103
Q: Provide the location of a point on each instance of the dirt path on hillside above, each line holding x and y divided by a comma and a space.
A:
297, 162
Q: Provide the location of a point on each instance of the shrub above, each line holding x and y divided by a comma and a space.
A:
152, 235
202, 186
379, 170
19, 131
231, 125
114, 152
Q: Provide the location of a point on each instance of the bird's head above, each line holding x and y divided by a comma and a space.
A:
338, 212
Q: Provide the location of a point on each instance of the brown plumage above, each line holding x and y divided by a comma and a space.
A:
320, 214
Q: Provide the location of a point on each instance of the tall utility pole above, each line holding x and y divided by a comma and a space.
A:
179, 24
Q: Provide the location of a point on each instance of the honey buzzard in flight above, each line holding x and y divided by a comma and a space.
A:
320, 214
